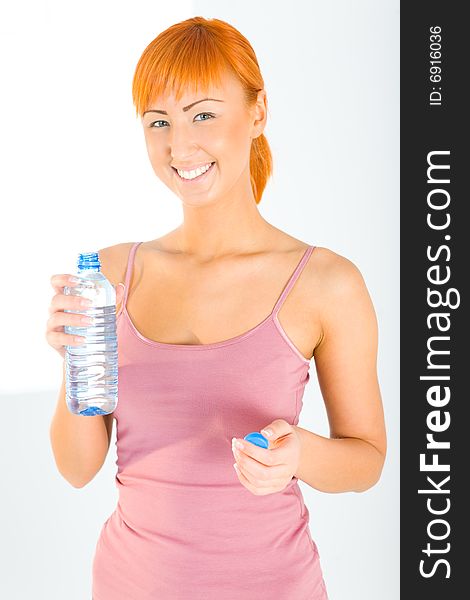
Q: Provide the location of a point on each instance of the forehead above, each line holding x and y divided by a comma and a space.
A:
229, 89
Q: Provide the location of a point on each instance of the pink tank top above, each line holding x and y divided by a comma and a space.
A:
184, 527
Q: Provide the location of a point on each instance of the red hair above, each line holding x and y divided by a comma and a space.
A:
194, 54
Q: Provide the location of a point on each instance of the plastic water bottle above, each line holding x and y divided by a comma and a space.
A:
92, 368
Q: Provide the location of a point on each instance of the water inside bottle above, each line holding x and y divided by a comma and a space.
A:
92, 369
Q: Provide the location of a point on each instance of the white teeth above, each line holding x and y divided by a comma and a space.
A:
195, 172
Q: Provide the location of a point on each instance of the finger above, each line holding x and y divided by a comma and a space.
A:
71, 302
59, 319
58, 282
243, 479
262, 455
253, 488
257, 473
58, 339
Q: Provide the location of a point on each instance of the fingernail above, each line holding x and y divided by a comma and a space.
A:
238, 444
267, 432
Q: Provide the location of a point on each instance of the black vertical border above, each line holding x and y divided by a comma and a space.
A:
424, 129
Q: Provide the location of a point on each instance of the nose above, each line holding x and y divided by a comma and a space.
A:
182, 144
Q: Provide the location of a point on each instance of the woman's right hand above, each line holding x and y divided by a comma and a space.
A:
55, 334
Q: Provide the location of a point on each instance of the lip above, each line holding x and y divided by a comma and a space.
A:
193, 167
196, 179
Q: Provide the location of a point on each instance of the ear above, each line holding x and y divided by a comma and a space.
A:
260, 114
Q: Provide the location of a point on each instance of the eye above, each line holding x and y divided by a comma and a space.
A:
153, 123
154, 126
211, 116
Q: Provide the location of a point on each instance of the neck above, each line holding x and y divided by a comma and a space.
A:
226, 227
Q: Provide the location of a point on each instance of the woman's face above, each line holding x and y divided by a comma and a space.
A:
196, 132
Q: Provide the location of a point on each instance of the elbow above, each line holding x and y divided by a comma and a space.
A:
368, 486
82, 482
75, 481
72, 479
77, 486
374, 475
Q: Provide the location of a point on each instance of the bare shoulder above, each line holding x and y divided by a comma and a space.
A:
334, 274
113, 261
341, 293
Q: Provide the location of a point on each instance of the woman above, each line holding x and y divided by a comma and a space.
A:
218, 323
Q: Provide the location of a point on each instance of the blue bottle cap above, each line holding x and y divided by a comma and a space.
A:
257, 439
89, 260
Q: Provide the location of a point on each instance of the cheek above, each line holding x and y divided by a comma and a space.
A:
227, 143
151, 145
155, 152
239, 136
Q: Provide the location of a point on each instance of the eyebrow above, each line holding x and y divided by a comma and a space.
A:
185, 108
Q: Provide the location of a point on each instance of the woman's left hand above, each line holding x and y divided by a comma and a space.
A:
268, 470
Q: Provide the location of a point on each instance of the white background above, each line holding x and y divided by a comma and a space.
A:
76, 177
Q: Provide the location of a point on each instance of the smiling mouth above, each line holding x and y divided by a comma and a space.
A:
198, 178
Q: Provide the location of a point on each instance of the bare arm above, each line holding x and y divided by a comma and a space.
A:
80, 444
352, 458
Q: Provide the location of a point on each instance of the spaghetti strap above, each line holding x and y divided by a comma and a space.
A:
127, 282
292, 280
